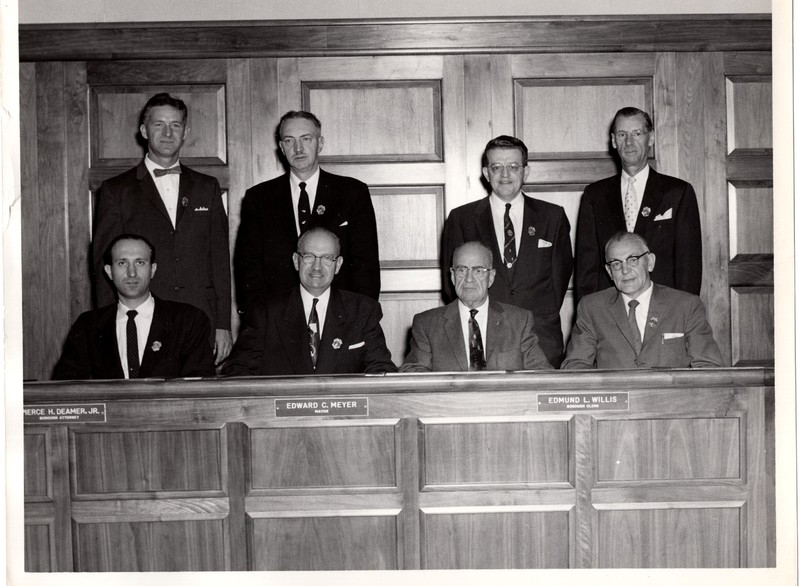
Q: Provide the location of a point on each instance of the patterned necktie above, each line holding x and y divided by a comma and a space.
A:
313, 333
634, 327
510, 245
303, 208
133, 345
172, 170
631, 207
476, 359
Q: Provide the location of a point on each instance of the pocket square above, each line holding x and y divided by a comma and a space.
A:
354, 346
665, 216
201, 209
544, 244
343, 224
671, 335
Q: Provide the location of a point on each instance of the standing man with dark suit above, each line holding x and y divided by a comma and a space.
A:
180, 211
276, 212
139, 336
660, 208
638, 323
474, 332
312, 328
529, 240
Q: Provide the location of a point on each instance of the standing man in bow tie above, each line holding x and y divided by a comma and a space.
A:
529, 240
275, 213
177, 209
660, 208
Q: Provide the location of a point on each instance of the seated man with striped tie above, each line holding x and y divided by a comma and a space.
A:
638, 323
313, 328
472, 332
139, 336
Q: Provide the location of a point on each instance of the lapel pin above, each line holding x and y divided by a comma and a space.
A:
184, 201
320, 210
156, 346
337, 343
645, 212
653, 322
531, 231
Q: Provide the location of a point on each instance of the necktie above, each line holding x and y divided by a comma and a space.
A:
637, 337
510, 245
303, 208
476, 359
133, 345
631, 207
161, 172
313, 333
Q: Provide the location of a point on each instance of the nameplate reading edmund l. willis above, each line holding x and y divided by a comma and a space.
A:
321, 407
73, 413
583, 402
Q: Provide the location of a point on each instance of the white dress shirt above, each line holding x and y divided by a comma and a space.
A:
516, 214
322, 305
311, 190
168, 187
143, 319
638, 186
642, 309
482, 317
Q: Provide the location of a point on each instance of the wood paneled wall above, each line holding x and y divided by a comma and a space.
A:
407, 107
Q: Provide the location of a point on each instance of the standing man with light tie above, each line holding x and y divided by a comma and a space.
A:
660, 208
451, 338
276, 212
180, 211
529, 240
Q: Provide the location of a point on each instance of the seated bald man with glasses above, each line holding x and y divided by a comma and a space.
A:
313, 328
474, 332
638, 323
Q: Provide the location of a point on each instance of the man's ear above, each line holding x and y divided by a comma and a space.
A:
651, 261
153, 267
107, 269
339, 262
296, 259
143, 131
320, 143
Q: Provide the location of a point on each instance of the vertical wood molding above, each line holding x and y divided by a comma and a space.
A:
477, 123
29, 196
458, 177
666, 124
266, 111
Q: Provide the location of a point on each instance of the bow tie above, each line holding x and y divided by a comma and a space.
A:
162, 172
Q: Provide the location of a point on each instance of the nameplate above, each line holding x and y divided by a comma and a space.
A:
322, 407
77, 413
583, 402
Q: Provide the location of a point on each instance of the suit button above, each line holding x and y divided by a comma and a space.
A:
513, 291
177, 259
176, 288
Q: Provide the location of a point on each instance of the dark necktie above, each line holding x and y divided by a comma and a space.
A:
303, 208
476, 359
637, 337
510, 245
133, 345
313, 333
172, 170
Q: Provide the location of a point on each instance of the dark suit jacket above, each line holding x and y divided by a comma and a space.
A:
677, 333
267, 237
193, 259
676, 241
540, 276
437, 341
177, 346
274, 339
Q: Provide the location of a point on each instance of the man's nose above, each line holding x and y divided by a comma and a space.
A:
131, 270
298, 147
167, 130
625, 268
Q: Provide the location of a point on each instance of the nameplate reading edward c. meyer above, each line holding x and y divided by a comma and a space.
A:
321, 407
72, 413
583, 402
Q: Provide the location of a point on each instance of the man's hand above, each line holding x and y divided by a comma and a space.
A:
223, 343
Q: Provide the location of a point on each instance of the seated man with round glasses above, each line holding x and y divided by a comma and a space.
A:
313, 328
638, 323
474, 332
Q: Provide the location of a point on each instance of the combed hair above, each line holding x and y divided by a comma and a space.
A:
164, 99
504, 142
297, 114
622, 236
630, 112
107, 259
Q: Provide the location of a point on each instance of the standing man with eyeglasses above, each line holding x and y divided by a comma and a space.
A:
528, 238
660, 208
638, 323
276, 212
474, 333
313, 328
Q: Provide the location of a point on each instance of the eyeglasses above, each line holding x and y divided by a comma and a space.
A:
478, 272
635, 134
632, 262
290, 141
512, 169
308, 258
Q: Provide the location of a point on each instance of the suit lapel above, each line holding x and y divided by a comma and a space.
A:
485, 226
323, 201
528, 242
334, 328
185, 190
613, 214
496, 336
653, 194
454, 334
293, 332
620, 317
655, 315
149, 191
107, 341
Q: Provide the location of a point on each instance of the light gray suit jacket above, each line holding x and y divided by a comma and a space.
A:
677, 333
437, 341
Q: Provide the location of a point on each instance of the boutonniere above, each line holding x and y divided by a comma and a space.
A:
653, 322
645, 212
156, 346
337, 343
531, 231
320, 210
184, 201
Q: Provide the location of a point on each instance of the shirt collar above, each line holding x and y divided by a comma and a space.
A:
308, 298
146, 309
641, 176
150, 164
311, 182
496, 202
643, 299
464, 310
